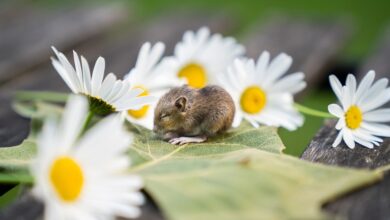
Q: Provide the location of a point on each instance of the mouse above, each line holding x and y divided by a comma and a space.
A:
188, 115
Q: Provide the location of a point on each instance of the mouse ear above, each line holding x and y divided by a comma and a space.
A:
180, 103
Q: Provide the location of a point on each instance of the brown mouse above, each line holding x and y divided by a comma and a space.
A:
186, 115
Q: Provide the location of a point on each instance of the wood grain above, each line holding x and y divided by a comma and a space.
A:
25, 40
313, 44
378, 59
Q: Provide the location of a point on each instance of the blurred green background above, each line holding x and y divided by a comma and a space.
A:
368, 18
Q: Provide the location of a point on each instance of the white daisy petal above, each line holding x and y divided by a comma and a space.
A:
338, 139
351, 85
340, 124
348, 138
237, 119
364, 85
372, 94
72, 121
136, 103
97, 76
79, 72
377, 129
364, 142
336, 86
86, 76
277, 68
380, 115
292, 83
381, 99
262, 64
116, 88
335, 110
64, 75
107, 85
366, 135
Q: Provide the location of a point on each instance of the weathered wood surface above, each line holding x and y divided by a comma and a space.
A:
314, 44
320, 150
25, 39
372, 202
379, 58
28, 208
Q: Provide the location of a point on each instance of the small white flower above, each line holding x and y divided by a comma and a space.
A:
85, 178
199, 57
260, 92
148, 76
359, 117
106, 95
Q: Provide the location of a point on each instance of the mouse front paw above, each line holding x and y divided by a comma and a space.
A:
186, 140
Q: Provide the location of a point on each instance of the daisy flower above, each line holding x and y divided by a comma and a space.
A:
359, 115
85, 178
105, 95
148, 76
260, 92
199, 57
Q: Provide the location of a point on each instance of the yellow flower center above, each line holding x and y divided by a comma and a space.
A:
140, 113
353, 117
253, 100
195, 75
67, 178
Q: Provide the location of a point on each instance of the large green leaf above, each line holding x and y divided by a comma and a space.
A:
17, 157
148, 147
240, 175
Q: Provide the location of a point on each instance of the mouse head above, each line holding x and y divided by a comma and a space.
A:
170, 112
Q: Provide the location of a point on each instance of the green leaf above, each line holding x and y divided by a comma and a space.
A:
17, 157
11, 195
240, 175
37, 109
148, 147
16, 176
48, 96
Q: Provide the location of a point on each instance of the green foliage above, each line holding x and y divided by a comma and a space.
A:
17, 157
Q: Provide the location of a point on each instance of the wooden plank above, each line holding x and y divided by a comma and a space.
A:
379, 58
320, 150
25, 39
313, 44
27, 207
120, 52
372, 202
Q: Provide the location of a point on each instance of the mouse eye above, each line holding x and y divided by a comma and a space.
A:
164, 115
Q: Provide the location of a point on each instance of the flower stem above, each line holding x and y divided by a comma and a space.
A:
41, 96
87, 122
312, 112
